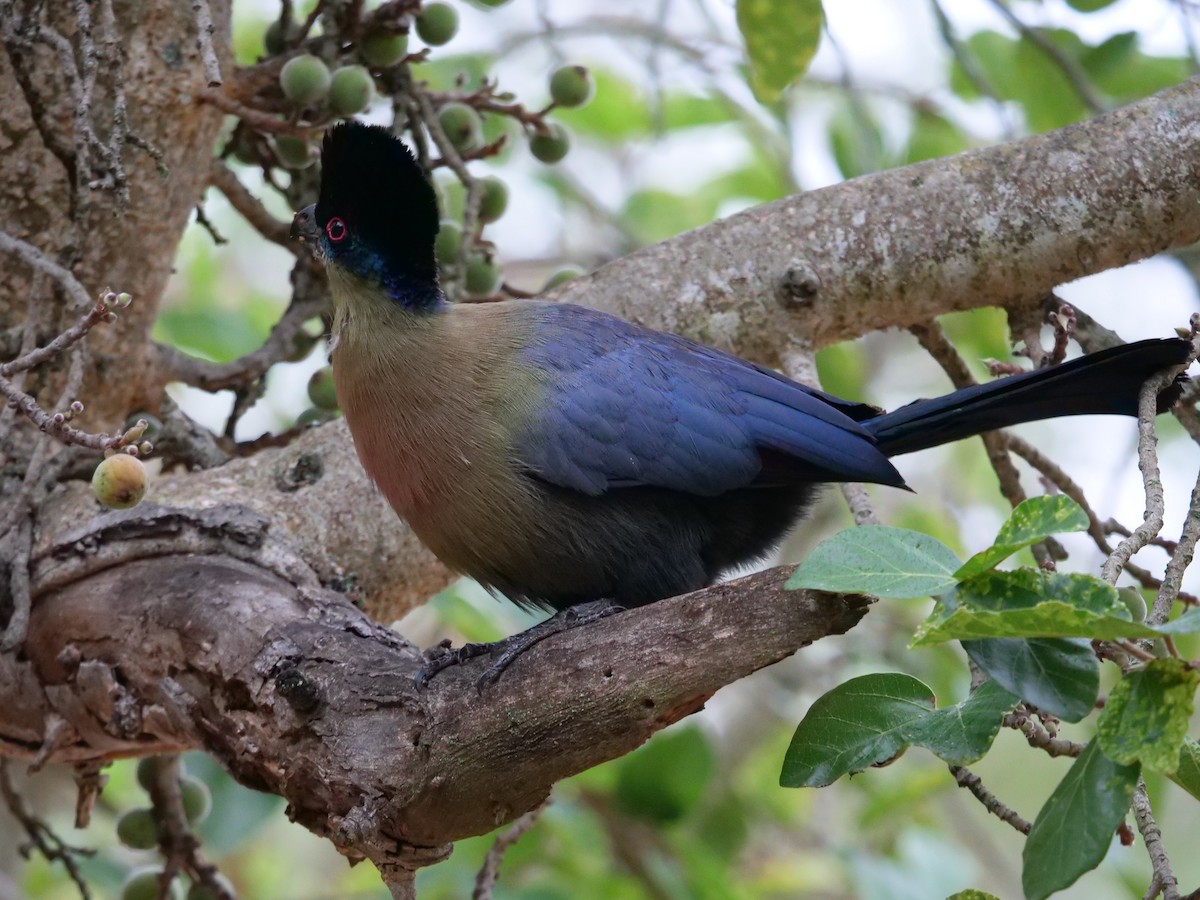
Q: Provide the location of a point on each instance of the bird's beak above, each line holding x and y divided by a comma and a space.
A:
304, 225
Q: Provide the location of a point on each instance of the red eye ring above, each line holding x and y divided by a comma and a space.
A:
336, 229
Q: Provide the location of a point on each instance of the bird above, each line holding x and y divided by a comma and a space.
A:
573, 461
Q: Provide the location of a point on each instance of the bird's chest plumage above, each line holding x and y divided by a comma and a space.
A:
427, 416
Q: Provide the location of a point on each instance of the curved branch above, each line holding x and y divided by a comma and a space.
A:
147, 657
1000, 226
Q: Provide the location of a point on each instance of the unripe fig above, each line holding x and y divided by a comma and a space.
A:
119, 482
448, 242
462, 125
294, 152
275, 40
203, 892
304, 79
147, 771
493, 199
437, 23
550, 146
313, 416
142, 884
563, 275
482, 276
138, 829
571, 86
197, 798
350, 90
383, 50
321, 391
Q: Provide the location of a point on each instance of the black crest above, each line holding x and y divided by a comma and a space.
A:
370, 179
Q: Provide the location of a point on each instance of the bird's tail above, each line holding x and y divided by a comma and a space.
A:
1104, 382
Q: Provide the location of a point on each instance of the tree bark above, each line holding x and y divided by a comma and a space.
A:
300, 694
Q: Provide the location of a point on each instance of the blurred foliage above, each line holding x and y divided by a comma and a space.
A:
697, 812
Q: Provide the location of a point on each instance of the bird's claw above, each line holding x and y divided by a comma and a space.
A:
512, 647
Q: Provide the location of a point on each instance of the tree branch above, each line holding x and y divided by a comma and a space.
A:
143, 657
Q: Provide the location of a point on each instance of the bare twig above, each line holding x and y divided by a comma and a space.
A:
251, 208
41, 836
204, 39
1164, 876
177, 841
973, 783
485, 881
934, 340
40, 261
1180, 559
971, 68
1037, 735
1070, 69
1152, 522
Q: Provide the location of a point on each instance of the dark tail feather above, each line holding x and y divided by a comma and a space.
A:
1104, 382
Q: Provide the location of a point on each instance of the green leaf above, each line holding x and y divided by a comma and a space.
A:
855, 725
781, 39
1087, 6
1059, 675
961, 734
655, 215
1033, 520
1187, 772
933, 136
855, 141
1030, 603
1074, 829
664, 779
1019, 70
870, 720
1146, 717
876, 559
617, 112
1188, 623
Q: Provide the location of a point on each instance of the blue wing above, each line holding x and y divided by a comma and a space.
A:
626, 406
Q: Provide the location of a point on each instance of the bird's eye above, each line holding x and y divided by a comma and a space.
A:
336, 229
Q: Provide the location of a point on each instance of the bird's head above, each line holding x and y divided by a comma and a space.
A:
375, 221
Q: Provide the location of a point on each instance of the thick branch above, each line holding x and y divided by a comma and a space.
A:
146, 656
1000, 226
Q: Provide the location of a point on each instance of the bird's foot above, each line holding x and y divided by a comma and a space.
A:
507, 650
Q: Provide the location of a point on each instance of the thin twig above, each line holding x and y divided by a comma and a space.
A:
40, 261
1070, 69
204, 39
1164, 876
177, 841
1152, 521
42, 836
485, 881
1036, 734
250, 207
1097, 530
971, 68
936, 344
973, 783
1181, 558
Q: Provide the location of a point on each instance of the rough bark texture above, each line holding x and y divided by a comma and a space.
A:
130, 247
200, 618
302, 695
999, 226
